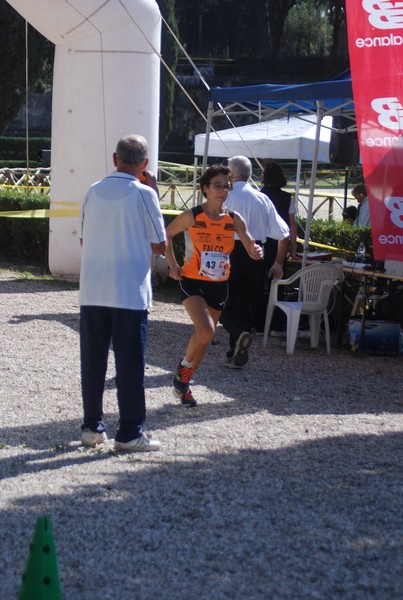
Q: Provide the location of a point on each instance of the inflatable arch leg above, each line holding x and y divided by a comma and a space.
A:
105, 85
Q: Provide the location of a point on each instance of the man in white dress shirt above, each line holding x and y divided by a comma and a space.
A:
246, 281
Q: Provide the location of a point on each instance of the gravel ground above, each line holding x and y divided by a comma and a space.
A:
284, 482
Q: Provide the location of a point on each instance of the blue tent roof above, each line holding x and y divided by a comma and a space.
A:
333, 93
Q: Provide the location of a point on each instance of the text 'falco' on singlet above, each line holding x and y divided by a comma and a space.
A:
212, 241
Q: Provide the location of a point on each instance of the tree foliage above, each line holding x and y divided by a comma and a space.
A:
308, 30
13, 62
258, 30
317, 28
228, 28
169, 51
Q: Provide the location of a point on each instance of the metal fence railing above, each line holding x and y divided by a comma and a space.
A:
19, 179
178, 188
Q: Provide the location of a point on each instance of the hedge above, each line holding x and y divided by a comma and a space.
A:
13, 150
23, 239
338, 234
26, 240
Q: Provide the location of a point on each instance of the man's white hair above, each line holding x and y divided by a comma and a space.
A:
241, 167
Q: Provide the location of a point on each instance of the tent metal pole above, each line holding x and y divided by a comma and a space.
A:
297, 184
207, 139
206, 143
346, 181
195, 165
319, 113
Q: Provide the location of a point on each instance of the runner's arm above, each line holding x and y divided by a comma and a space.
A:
178, 225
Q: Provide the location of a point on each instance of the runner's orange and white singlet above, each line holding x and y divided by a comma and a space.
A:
211, 244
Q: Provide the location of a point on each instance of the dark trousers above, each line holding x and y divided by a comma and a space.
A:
128, 331
245, 294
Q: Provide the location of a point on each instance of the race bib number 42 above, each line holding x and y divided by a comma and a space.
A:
214, 265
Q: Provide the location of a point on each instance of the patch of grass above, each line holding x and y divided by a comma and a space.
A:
29, 275
34, 273
23, 270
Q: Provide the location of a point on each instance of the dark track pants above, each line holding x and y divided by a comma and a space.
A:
245, 294
128, 331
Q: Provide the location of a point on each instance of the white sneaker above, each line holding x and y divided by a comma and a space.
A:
140, 444
92, 438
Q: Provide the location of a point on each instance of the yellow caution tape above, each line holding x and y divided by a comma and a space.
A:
45, 213
66, 203
40, 213
171, 211
319, 245
24, 187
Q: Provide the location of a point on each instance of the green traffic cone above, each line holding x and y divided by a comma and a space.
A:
41, 580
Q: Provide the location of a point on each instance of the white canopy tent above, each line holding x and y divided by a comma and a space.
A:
288, 137
291, 137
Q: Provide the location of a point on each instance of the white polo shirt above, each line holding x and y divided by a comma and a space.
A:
120, 218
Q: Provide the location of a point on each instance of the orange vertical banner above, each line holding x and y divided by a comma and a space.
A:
375, 41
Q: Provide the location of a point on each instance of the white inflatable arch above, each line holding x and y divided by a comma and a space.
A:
105, 85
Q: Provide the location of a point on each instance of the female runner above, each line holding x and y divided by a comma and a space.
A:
204, 275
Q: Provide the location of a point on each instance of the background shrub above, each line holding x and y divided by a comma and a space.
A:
13, 151
341, 235
24, 239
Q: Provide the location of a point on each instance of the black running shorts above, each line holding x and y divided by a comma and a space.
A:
215, 293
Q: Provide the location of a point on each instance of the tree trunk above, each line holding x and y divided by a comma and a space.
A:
277, 13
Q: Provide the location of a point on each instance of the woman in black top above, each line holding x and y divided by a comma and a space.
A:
273, 180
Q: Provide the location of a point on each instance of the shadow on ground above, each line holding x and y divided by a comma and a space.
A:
314, 520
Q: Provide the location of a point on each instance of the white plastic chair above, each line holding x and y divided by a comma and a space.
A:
316, 284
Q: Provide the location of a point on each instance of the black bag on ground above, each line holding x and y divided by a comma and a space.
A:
390, 307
